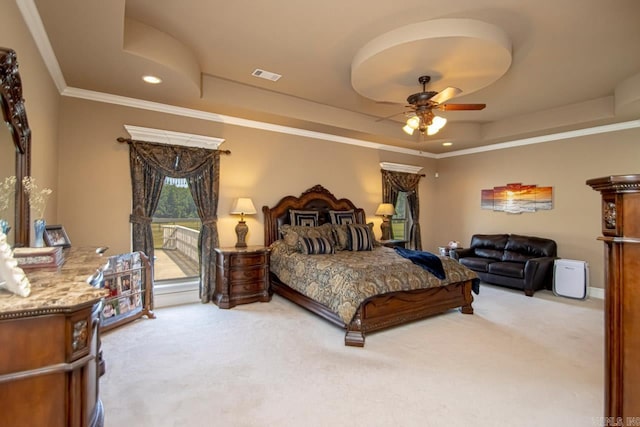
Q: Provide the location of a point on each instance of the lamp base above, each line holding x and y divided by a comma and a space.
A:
386, 229
241, 232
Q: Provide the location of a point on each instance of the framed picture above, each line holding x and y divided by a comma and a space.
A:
54, 235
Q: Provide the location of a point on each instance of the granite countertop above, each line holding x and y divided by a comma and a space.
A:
57, 290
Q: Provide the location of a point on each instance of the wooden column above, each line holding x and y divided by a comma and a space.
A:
621, 235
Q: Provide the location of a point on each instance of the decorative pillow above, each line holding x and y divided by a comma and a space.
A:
315, 246
360, 237
340, 236
289, 237
342, 217
306, 218
292, 233
372, 234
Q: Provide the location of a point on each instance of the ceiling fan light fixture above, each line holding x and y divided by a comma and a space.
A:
436, 124
413, 122
439, 122
423, 103
425, 122
408, 129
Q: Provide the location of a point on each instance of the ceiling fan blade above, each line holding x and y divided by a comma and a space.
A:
446, 95
460, 107
388, 103
379, 119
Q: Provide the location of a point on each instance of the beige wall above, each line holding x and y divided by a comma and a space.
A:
94, 196
41, 101
574, 221
95, 189
89, 171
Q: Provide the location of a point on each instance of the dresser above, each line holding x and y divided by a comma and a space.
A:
50, 360
620, 211
242, 276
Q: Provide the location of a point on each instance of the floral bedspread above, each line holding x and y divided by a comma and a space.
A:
342, 281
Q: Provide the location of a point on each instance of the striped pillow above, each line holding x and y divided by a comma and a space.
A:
315, 246
306, 218
360, 237
342, 217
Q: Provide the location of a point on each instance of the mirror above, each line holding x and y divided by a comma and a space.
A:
15, 139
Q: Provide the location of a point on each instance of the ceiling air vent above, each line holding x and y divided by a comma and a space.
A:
266, 75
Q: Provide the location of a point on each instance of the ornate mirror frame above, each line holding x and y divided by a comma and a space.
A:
15, 116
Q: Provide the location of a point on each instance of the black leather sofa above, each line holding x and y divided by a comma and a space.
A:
511, 260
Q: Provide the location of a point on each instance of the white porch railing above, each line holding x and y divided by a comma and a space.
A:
182, 239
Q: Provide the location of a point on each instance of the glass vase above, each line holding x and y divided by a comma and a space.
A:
4, 226
38, 226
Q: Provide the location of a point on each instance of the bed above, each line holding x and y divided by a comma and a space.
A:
395, 291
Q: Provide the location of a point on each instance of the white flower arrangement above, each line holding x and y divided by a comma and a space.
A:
37, 197
7, 190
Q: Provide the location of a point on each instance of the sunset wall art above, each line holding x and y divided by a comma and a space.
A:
517, 198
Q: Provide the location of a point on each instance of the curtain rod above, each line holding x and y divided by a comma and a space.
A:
129, 141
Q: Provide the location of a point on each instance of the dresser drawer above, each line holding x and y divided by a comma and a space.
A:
247, 288
252, 274
248, 260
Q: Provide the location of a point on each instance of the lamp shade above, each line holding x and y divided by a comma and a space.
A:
408, 129
386, 209
243, 206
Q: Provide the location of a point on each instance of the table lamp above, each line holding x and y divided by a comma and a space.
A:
242, 206
386, 210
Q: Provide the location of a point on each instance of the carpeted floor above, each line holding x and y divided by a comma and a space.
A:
517, 361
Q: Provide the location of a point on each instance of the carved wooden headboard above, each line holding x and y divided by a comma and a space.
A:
317, 198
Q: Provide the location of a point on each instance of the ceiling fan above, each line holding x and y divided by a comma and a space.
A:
423, 103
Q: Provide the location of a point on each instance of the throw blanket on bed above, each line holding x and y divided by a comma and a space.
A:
426, 260
432, 263
342, 281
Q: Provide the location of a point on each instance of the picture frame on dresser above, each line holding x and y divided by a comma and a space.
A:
55, 235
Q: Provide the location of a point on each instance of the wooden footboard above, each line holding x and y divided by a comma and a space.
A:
384, 311
398, 308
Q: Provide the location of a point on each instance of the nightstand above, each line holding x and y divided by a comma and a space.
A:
394, 243
242, 276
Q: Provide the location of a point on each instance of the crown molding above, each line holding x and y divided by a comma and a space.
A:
34, 23
229, 120
615, 127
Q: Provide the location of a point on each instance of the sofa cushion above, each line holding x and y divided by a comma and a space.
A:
522, 248
475, 263
489, 245
489, 253
509, 269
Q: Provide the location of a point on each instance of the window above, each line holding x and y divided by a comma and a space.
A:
401, 221
176, 228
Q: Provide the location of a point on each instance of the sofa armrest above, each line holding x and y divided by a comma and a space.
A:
538, 273
461, 253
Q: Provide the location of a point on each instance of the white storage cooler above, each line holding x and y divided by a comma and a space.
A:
570, 278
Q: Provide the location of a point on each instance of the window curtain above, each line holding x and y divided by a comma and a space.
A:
150, 164
392, 184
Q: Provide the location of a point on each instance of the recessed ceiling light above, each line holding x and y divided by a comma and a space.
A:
447, 144
152, 79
